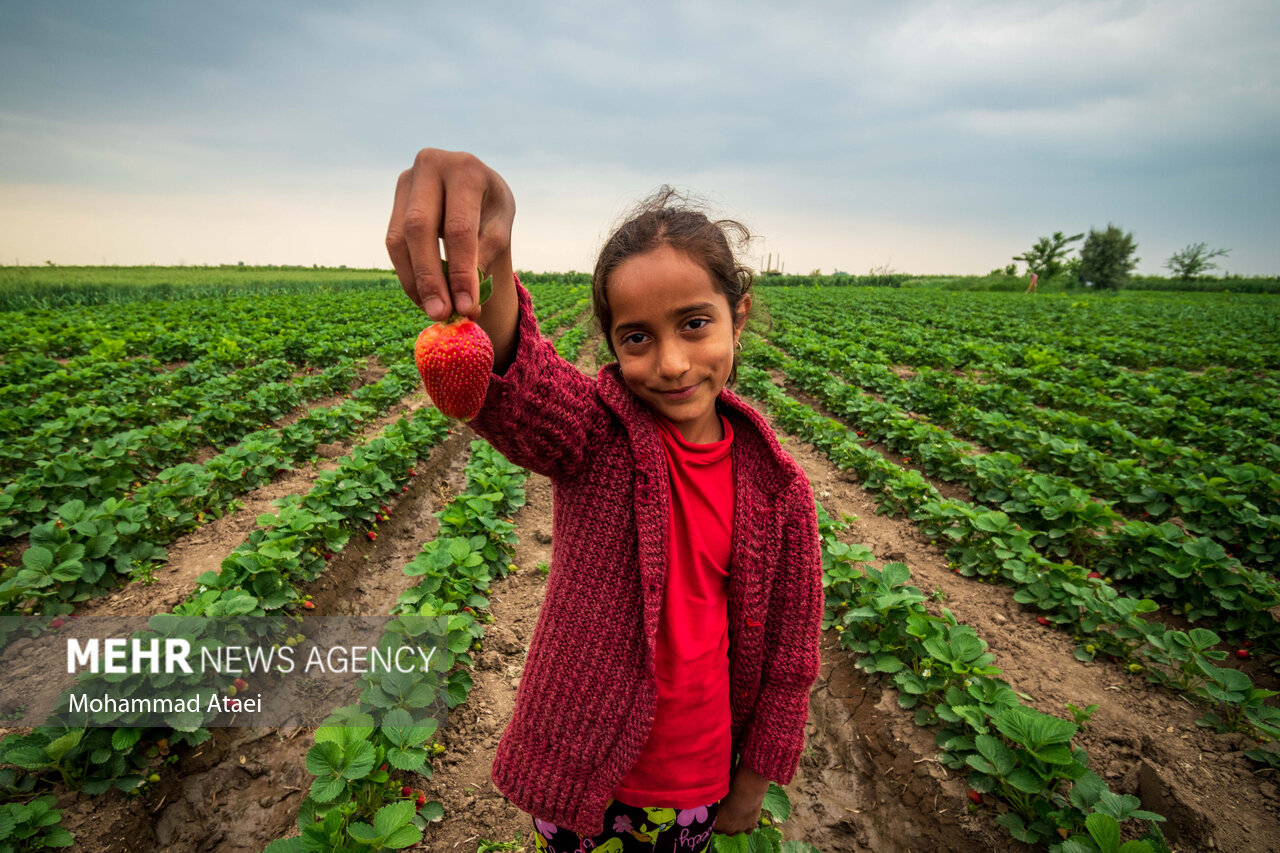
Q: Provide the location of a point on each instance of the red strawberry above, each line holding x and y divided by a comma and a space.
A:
1242, 653
455, 359
308, 605
975, 797
1095, 575
406, 791
240, 684
1043, 620
56, 623
422, 800
372, 536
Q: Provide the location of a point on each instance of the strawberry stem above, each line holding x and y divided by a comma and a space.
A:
486, 286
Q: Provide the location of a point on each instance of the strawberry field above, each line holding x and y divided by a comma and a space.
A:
1051, 527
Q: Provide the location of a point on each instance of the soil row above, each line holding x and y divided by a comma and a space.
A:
242, 788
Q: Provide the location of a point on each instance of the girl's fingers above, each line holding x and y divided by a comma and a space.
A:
420, 225
454, 196
464, 196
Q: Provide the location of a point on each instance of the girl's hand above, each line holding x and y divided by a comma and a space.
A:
740, 810
451, 194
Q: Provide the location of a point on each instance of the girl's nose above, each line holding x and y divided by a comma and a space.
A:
672, 360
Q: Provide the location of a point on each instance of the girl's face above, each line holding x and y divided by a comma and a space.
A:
674, 337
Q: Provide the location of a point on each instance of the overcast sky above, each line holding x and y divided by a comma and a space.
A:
928, 136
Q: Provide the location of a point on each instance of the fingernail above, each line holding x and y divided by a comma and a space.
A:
462, 302
434, 306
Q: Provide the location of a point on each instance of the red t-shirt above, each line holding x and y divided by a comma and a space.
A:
686, 761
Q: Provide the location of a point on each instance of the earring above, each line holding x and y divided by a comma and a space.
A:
737, 345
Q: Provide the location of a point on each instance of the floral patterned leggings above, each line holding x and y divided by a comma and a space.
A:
630, 829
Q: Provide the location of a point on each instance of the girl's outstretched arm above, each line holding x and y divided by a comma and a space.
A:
451, 195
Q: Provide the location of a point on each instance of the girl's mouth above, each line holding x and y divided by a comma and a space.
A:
681, 394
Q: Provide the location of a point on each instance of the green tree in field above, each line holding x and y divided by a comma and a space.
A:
1194, 260
1106, 258
1046, 256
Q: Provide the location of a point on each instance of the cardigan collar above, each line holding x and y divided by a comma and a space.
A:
753, 437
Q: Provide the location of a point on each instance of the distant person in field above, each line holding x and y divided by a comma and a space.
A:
1031, 288
668, 678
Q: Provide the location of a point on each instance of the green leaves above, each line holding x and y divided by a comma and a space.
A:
32, 826
391, 828
405, 739
44, 568
1043, 736
335, 763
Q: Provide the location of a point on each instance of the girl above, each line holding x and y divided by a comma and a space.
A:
668, 677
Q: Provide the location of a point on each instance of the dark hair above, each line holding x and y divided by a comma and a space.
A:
670, 218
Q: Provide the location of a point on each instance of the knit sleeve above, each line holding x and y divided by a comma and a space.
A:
542, 413
774, 736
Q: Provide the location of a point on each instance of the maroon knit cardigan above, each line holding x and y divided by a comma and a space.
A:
587, 697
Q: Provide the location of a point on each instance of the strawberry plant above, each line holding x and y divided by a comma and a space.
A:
32, 826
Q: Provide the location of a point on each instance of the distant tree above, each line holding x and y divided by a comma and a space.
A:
1194, 260
1071, 272
1106, 258
1045, 257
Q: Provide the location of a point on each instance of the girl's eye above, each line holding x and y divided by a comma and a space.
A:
632, 338
701, 321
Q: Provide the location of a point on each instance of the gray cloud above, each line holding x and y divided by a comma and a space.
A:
1014, 118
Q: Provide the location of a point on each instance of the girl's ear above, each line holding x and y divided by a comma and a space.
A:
744, 309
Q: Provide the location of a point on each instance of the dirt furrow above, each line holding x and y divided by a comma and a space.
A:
242, 788
35, 662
